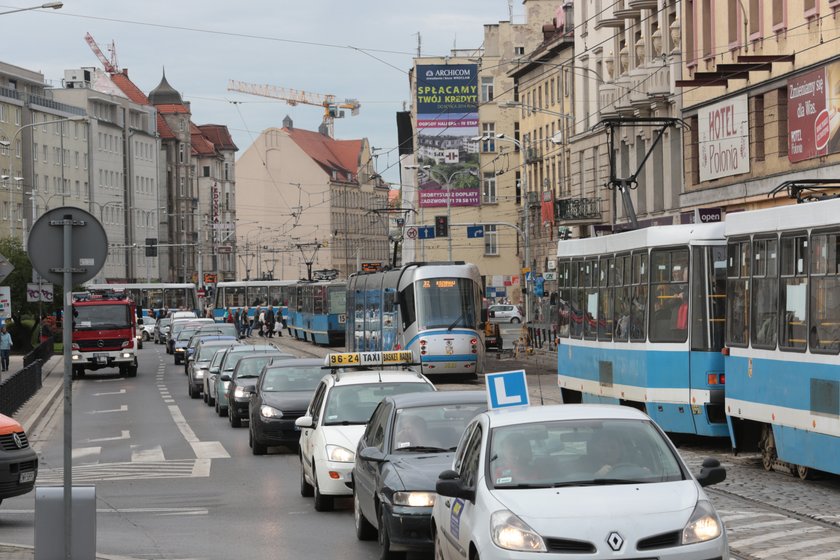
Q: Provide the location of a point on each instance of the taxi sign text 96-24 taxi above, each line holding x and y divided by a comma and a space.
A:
371, 358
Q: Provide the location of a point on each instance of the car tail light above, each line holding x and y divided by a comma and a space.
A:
722, 378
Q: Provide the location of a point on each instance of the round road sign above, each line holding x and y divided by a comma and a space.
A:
89, 245
411, 233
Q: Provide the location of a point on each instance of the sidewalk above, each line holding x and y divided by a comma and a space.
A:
32, 416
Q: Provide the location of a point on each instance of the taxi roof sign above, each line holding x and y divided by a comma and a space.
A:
368, 359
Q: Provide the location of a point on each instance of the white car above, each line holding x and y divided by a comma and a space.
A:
574, 481
335, 420
505, 313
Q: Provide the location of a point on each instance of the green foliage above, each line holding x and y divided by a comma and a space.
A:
12, 248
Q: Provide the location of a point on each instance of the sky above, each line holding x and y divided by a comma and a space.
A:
360, 49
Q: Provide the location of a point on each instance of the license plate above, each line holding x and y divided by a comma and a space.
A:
99, 355
28, 476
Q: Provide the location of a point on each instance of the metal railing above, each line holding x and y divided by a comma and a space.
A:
41, 352
578, 209
19, 387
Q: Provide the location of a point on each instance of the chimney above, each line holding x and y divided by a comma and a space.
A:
548, 30
324, 129
287, 122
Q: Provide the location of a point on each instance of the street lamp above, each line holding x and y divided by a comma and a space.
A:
53, 5
448, 183
44, 123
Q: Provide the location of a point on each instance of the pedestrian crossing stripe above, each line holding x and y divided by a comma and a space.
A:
145, 470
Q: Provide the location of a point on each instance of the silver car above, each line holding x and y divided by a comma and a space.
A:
505, 313
198, 366
574, 481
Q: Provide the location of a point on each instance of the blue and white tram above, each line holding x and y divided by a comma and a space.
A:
251, 294
155, 297
783, 334
432, 309
318, 312
641, 323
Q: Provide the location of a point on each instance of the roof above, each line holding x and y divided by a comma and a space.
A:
164, 93
440, 398
329, 153
200, 145
257, 348
783, 218
561, 412
656, 236
219, 135
128, 87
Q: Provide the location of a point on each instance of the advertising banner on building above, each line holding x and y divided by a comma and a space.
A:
813, 118
447, 120
724, 138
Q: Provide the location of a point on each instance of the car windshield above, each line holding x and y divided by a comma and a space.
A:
353, 404
207, 351
251, 366
164, 322
185, 334
432, 428
234, 357
292, 378
226, 329
86, 317
217, 358
580, 453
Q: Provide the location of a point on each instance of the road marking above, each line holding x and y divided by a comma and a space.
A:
772, 552
124, 434
146, 454
202, 449
763, 525
120, 392
109, 472
753, 515
201, 468
123, 408
824, 556
82, 455
108, 380
766, 537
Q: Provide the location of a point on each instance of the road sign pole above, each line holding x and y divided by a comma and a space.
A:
67, 341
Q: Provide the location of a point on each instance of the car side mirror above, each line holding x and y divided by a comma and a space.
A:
372, 454
449, 484
304, 422
711, 472
225, 377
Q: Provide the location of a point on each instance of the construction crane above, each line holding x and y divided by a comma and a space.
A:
111, 65
332, 108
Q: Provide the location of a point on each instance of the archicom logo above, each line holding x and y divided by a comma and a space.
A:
430, 73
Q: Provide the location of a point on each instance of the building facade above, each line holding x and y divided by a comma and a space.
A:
308, 201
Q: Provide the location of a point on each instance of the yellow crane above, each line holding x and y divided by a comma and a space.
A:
332, 107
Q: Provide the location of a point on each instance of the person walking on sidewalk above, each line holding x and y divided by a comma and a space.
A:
5, 347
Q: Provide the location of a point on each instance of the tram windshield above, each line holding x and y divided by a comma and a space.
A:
446, 303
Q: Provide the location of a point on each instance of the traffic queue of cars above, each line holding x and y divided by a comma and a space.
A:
438, 472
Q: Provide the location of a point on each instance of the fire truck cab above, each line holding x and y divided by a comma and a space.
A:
104, 333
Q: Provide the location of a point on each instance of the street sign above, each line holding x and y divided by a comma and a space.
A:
550, 276
210, 278
426, 232
39, 292
224, 249
475, 232
89, 245
529, 276
506, 389
201, 292
411, 233
5, 302
6, 268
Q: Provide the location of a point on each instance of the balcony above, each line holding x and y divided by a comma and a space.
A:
578, 210
532, 155
643, 4
607, 94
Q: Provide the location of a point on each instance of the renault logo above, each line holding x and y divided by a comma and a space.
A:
615, 541
100, 343
18, 441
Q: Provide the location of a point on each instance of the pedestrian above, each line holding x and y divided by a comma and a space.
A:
229, 315
5, 347
237, 321
269, 322
260, 321
246, 323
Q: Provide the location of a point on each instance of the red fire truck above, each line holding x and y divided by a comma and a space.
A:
104, 333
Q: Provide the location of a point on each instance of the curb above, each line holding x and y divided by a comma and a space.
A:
47, 401
28, 549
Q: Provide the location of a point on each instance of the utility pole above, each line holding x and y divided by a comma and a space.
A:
303, 248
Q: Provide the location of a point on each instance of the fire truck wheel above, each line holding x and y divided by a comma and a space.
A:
78, 373
131, 370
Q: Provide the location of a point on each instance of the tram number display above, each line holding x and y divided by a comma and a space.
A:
441, 283
371, 358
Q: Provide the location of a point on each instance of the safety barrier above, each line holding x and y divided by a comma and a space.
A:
19, 387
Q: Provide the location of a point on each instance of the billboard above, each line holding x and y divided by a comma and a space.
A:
724, 138
447, 119
813, 118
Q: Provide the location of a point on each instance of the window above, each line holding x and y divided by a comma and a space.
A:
486, 89
488, 189
606, 273
758, 126
205, 171
782, 115
708, 31
469, 465
227, 172
734, 24
590, 298
519, 51
765, 296
17, 115
180, 153
825, 293
812, 9
488, 130
738, 293
688, 29
491, 240
755, 22
638, 304
779, 15
669, 295
793, 294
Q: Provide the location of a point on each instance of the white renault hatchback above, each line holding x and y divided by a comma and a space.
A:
336, 418
572, 482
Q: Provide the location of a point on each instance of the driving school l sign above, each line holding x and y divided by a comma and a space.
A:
506, 389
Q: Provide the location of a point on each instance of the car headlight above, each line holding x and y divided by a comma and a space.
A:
511, 533
702, 526
240, 393
270, 412
179, 349
340, 454
199, 373
414, 499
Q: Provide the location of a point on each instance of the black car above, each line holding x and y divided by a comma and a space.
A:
279, 398
242, 380
407, 442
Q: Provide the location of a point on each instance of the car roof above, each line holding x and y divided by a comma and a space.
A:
295, 362
376, 376
442, 398
257, 348
548, 413
205, 338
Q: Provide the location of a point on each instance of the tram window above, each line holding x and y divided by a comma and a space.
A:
669, 295
621, 298
576, 313
765, 293
409, 311
605, 314
737, 293
638, 303
590, 294
563, 280
825, 293
708, 297
794, 289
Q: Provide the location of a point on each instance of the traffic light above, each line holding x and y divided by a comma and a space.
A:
441, 226
151, 246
